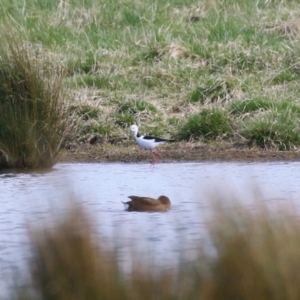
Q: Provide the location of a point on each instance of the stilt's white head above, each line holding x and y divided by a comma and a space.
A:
134, 129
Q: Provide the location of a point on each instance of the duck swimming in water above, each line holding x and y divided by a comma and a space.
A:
137, 203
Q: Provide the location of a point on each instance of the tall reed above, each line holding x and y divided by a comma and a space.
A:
68, 262
31, 105
257, 252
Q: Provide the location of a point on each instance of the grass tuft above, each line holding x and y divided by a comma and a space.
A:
249, 106
209, 124
32, 120
273, 130
212, 91
86, 111
135, 106
129, 111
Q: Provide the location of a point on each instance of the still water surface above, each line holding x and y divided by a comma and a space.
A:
36, 198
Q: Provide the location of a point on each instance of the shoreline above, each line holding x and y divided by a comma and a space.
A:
178, 152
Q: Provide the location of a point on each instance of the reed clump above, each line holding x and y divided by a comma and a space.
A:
253, 254
31, 104
68, 263
257, 254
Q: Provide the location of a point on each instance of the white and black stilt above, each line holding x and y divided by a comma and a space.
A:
149, 143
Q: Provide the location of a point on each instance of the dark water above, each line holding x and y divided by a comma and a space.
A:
33, 198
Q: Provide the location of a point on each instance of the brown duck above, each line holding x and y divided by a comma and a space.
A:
137, 203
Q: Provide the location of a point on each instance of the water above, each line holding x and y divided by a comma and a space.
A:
34, 197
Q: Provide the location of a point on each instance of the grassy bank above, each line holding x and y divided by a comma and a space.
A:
255, 256
210, 70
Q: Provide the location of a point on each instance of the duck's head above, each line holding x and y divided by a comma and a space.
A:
164, 200
134, 129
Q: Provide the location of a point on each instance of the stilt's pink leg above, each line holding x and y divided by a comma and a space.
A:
157, 153
153, 158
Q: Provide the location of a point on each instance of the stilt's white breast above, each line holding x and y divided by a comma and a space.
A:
142, 142
146, 144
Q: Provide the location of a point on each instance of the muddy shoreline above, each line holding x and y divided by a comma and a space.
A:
179, 152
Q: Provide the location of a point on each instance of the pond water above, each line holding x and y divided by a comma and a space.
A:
35, 197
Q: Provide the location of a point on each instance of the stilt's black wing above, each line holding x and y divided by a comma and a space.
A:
157, 139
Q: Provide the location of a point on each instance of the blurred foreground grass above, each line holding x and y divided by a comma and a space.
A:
256, 256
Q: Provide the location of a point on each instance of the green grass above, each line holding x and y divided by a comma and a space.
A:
86, 112
209, 124
178, 56
273, 130
213, 90
249, 106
